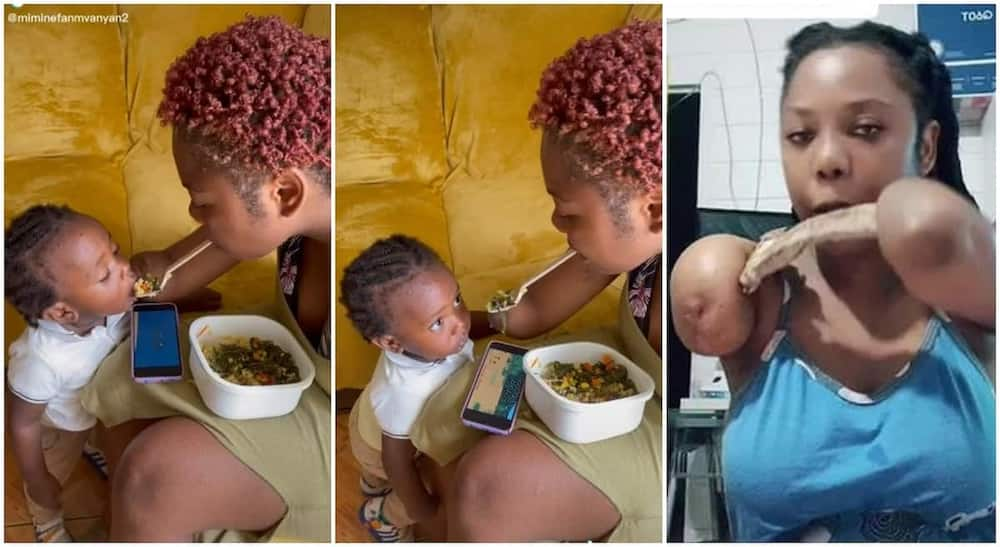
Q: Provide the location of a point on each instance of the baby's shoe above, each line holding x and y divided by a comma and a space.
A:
96, 458
378, 526
53, 531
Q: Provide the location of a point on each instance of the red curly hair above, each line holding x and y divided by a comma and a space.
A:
606, 93
257, 93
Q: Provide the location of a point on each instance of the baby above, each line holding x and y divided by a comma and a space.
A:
65, 276
402, 298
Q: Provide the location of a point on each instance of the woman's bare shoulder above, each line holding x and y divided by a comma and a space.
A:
981, 342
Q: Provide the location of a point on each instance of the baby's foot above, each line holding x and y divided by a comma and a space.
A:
52, 532
370, 490
382, 530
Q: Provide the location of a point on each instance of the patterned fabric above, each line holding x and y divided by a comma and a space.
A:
289, 256
640, 290
289, 262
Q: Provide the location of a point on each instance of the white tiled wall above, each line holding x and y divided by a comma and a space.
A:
710, 50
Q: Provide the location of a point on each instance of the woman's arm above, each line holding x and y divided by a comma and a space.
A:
555, 297
196, 274
711, 313
942, 248
397, 459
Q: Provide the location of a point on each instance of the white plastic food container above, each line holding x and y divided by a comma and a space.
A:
584, 422
239, 402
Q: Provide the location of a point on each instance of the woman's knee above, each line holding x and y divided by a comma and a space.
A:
155, 471
142, 478
479, 485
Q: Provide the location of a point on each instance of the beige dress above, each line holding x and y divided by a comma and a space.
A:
627, 469
292, 452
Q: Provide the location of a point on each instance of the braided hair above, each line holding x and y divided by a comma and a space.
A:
371, 277
254, 99
915, 68
29, 286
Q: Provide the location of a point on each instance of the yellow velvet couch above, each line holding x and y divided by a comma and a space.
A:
81, 126
433, 141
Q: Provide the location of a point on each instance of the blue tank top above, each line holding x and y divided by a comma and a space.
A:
805, 458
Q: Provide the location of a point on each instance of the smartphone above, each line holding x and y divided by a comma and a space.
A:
156, 344
496, 391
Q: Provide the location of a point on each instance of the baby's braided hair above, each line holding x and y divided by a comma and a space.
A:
371, 277
29, 285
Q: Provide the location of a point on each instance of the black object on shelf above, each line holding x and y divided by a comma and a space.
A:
683, 122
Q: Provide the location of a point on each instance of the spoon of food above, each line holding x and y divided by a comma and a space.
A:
148, 286
505, 300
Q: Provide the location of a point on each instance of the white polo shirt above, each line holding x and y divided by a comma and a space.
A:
50, 365
400, 386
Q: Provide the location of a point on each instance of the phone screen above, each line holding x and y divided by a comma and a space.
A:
494, 398
156, 344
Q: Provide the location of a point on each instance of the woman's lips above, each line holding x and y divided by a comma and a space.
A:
830, 206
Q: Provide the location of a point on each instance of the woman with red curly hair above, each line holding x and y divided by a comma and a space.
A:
601, 153
250, 111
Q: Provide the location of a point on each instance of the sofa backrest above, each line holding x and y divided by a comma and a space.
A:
81, 124
433, 137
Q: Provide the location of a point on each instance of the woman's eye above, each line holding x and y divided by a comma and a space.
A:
106, 277
458, 300
799, 137
436, 326
868, 131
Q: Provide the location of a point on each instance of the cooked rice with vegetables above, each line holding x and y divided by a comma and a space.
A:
146, 285
252, 362
501, 300
598, 382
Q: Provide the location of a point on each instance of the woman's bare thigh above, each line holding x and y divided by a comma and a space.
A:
519, 479
198, 485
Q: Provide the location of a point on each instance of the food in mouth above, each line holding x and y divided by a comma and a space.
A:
146, 285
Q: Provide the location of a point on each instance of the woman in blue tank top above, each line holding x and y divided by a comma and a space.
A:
857, 343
